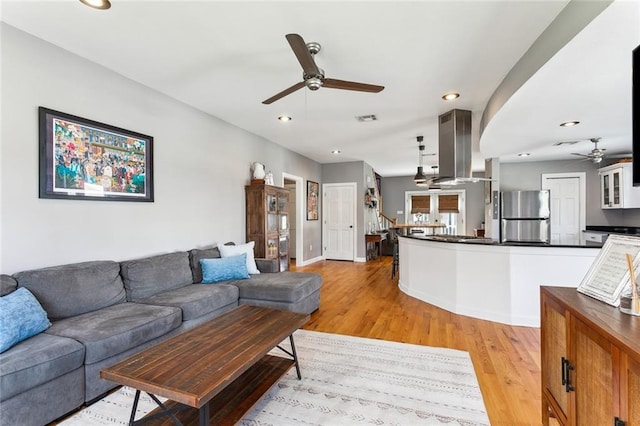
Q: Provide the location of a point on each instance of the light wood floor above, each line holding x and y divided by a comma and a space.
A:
361, 299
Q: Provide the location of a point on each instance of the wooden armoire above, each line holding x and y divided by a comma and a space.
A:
267, 222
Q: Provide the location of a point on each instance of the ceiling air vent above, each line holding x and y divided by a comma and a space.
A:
371, 117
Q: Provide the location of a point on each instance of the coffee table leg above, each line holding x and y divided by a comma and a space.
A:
135, 407
204, 415
295, 357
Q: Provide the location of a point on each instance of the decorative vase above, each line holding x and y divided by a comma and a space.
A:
258, 170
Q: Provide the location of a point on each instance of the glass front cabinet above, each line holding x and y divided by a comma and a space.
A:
616, 188
267, 222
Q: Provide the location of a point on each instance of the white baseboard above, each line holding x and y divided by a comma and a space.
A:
360, 259
309, 261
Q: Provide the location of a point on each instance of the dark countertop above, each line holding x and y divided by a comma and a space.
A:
623, 230
465, 239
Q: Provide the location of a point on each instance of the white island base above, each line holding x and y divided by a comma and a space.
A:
492, 282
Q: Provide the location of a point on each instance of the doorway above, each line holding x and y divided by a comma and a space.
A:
568, 206
296, 215
339, 228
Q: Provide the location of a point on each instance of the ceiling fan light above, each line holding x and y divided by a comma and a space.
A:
97, 4
313, 83
596, 159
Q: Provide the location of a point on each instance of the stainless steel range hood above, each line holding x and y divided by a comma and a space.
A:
454, 148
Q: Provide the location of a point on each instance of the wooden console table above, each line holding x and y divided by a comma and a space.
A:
374, 244
590, 360
404, 227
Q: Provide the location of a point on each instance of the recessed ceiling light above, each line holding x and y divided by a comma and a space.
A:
524, 154
284, 118
335, 151
97, 4
370, 117
569, 123
450, 96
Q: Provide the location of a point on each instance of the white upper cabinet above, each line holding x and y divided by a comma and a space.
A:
616, 187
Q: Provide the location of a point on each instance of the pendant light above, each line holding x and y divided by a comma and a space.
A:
420, 177
429, 182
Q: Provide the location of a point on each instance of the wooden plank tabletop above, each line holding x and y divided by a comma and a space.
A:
194, 366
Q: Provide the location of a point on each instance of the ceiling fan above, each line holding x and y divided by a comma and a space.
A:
596, 155
312, 75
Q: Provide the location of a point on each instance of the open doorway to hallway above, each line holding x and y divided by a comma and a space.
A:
295, 186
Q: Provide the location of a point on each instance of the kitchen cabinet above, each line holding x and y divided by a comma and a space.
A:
595, 239
267, 222
616, 187
590, 360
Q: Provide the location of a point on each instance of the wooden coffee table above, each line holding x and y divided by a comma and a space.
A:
219, 369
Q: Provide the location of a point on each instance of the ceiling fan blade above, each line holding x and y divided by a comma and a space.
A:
284, 93
582, 155
301, 51
332, 83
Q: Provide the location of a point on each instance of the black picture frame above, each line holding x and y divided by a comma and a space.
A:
82, 159
313, 191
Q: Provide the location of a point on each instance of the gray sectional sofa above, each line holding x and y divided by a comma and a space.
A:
104, 311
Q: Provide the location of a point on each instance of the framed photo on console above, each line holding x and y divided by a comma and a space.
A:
609, 273
83, 159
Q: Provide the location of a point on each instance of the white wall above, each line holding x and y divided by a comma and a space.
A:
201, 165
528, 176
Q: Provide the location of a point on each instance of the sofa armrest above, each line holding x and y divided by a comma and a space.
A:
267, 265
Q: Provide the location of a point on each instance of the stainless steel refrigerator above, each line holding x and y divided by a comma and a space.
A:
524, 217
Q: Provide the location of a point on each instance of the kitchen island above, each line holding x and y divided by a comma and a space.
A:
485, 279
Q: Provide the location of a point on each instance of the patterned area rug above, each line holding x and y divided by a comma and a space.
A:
345, 381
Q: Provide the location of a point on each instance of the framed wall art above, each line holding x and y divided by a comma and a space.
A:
312, 200
86, 160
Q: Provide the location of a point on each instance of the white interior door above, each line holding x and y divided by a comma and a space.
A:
339, 216
568, 206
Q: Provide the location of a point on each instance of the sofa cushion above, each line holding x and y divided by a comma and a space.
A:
196, 255
196, 300
227, 268
117, 328
69, 290
7, 284
146, 277
36, 361
228, 250
21, 317
281, 287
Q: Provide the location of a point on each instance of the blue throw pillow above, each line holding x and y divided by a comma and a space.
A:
224, 268
21, 317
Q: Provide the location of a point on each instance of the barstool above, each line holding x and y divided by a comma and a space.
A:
396, 258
